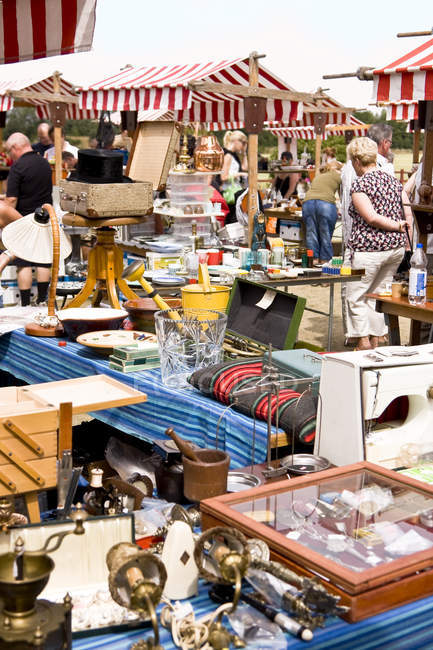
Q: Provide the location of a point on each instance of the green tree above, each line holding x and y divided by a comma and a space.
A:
22, 120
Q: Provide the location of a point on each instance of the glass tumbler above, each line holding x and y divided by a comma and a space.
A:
188, 339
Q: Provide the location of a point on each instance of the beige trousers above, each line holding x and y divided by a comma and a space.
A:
362, 317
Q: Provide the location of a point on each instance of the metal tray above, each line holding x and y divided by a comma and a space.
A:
304, 463
239, 481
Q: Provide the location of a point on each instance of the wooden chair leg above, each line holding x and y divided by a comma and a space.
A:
111, 280
32, 504
89, 285
126, 290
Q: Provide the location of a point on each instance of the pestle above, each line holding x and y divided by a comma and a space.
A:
183, 446
204, 279
135, 272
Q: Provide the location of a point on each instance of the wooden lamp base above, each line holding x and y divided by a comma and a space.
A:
34, 329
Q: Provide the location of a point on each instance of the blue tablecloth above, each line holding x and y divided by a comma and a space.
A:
191, 414
408, 627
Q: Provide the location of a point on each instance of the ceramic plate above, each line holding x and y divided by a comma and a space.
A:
168, 280
104, 341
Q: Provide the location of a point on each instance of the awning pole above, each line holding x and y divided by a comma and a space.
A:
253, 145
57, 135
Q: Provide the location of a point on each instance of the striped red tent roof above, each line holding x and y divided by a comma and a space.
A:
166, 88
46, 84
308, 132
401, 111
35, 29
408, 78
339, 116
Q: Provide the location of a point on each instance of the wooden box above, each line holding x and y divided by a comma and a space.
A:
28, 442
153, 153
103, 200
29, 424
364, 531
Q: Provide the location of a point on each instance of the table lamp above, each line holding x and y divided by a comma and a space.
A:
38, 239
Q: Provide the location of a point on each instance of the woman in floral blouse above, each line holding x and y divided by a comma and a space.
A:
377, 241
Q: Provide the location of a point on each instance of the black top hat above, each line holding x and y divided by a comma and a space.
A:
99, 166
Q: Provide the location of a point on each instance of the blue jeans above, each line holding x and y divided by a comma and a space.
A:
319, 218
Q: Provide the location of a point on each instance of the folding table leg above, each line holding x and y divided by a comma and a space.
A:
330, 315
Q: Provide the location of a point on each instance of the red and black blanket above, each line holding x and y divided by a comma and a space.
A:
296, 412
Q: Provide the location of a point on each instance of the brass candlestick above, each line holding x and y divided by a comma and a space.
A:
184, 162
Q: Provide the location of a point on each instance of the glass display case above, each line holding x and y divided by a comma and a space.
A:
365, 530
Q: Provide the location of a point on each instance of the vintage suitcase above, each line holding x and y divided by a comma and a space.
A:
258, 315
104, 200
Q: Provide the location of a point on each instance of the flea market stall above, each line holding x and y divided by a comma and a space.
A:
212, 404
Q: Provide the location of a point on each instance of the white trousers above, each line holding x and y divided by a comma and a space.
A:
362, 317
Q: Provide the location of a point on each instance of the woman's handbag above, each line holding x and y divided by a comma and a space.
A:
405, 262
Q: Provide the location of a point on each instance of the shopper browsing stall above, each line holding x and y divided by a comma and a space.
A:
377, 240
320, 212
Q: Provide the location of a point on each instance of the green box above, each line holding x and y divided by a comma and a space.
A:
278, 323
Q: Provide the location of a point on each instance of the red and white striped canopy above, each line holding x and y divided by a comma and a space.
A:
308, 132
46, 84
166, 88
34, 29
401, 111
408, 78
307, 120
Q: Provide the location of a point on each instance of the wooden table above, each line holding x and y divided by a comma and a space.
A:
396, 307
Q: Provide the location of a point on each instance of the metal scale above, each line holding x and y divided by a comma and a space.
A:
272, 380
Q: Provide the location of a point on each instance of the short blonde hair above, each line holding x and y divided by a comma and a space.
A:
364, 150
230, 136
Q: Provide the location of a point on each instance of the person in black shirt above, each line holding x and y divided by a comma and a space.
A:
29, 186
44, 141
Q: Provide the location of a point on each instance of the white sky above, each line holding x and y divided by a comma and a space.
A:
302, 40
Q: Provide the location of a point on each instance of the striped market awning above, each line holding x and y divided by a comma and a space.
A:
46, 84
35, 29
167, 88
409, 78
308, 132
401, 111
339, 116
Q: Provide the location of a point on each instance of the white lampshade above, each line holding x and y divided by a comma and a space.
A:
33, 241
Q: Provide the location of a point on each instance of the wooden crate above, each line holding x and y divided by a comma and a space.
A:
396, 580
99, 200
153, 153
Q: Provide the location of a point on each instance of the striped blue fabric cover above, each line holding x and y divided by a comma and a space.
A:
195, 417
408, 627
191, 414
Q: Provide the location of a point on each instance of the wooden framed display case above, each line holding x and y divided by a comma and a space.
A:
366, 532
